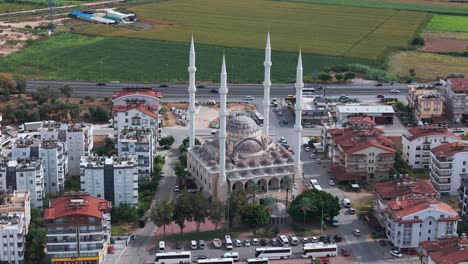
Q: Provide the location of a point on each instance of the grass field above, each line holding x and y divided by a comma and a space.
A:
436, 7
318, 29
449, 23
76, 57
11, 7
447, 34
426, 65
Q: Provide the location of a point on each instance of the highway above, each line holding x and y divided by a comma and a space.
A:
236, 91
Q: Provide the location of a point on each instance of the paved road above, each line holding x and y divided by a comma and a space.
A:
179, 91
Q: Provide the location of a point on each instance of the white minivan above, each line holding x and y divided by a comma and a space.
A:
346, 203
284, 241
193, 244
233, 255
162, 246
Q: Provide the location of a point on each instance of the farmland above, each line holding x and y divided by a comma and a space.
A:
317, 29
448, 23
10, 7
75, 57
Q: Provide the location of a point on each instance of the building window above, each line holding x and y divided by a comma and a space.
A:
464, 163
416, 217
429, 231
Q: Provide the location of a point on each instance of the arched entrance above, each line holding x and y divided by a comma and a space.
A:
262, 185
273, 184
238, 186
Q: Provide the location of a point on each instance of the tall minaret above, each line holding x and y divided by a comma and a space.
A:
266, 87
223, 90
297, 125
192, 89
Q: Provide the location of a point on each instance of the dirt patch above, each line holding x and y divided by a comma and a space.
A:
437, 44
99, 141
86, 104
358, 198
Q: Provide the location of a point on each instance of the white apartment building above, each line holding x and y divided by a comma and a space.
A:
410, 222
449, 162
23, 175
463, 198
15, 216
78, 229
114, 179
141, 144
418, 142
52, 154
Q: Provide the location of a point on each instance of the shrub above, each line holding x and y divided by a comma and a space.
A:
418, 41
81, 101
106, 99
28, 26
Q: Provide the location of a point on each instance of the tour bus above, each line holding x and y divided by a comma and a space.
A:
308, 92
273, 252
257, 261
216, 261
258, 118
173, 257
228, 242
319, 250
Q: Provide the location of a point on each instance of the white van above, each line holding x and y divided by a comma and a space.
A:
346, 203
193, 244
233, 255
162, 246
294, 240
284, 240
335, 221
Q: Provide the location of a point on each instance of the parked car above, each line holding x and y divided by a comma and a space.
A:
238, 243
351, 211
338, 238
313, 156
247, 243
394, 91
193, 245
217, 243
331, 182
162, 174
294, 240
176, 188
263, 242
283, 139
199, 257
356, 232
305, 240
382, 243
280, 113
330, 239
274, 242
344, 96
214, 91
276, 110
344, 252
255, 241
323, 239
396, 253
249, 98
458, 130
318, 161
178, 245
307, 149
313, 239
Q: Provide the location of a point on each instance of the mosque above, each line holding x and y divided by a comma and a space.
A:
242, 155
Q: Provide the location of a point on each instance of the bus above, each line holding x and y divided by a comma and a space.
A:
258, 118
273, 252
308, 92
319, 250
228, 240
173, 257
257, 261
216, 261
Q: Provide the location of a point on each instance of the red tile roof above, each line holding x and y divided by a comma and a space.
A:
449, 149
359, 120
70, 205
145, 92
426, 132
405, 187
399, 209
459, 85
341, 175
140, 107
446, 251
368, 144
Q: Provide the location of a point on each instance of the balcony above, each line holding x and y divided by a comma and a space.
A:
382, 168
386, 161
352, 169
441, 186
441, 172
443, 162
64, 240
355, 161
61, 232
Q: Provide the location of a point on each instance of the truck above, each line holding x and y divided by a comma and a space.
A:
30, 126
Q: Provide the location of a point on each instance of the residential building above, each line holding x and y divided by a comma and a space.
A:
314, 112
426, 101
114, 179
137, 108
360, 154
23, 174
15, 216
410, 222
418, 142
463, 198
380, 114
397, 190
449, 162
52, 154
455, 92
446, 251
78, 229
140, 143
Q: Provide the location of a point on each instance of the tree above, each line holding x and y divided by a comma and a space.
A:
7, 83
305, 205
418, 41
339, 76
238, 202
252, 190
349, 75
181, 173
36, 238
43, 95
98, 113
324, 76
312, 141
199, 204
216, 213
21, 86
166, 142
183, 210
287, 184
331, 206
66, 91
8, 112
162, 214
412, 72
256, 216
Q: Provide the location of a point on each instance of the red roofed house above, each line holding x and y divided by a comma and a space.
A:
360, 154
453, 250
137, 108
78, 229
418, 142
449, 163
410, 222
400, 189
455, 92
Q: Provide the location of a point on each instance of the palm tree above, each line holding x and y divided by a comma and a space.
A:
287, 184
253, 190
305, 205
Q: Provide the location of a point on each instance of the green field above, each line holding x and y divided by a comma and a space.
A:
317, 29
444, 8
75, 57
448, 23
11, 7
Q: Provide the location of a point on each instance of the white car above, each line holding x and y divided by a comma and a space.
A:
305, 240
282, 139
247, 243
313, 156
238, 243
331, 182
396, 253
356, 232
318, 161
280, 113
307, 149
249, 98
394, 91
255, 241
276, 109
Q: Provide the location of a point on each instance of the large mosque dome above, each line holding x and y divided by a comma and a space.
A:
242, 126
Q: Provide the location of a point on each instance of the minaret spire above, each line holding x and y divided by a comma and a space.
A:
298, 113
223, 90
266, 87
192, 89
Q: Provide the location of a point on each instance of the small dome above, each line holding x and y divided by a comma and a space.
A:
290, 160
234, 175
266, 162
215, 168
230, 166
278, 161
279, 169
254, 163
249, 146
275, 154
247, 174
242, 164
279, 210
286, 155
241, 125
212, 163
258, 172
